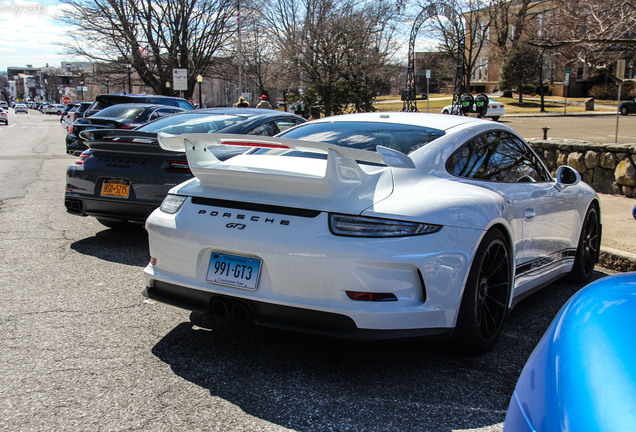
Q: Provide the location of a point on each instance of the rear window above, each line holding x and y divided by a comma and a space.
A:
191, 123
122, 111
366, 135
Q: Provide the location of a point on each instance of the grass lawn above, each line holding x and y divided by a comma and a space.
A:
530, 104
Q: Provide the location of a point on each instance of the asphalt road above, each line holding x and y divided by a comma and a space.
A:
82, 350
597, 128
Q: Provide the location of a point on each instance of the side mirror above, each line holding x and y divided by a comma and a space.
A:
566, 176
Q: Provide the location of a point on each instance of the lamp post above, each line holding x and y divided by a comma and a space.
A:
107, 89
168, 87
82, 89
129, 66
200, 80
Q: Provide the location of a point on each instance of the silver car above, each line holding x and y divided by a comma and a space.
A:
20, 107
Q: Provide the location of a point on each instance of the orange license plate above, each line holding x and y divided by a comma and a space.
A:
116, 188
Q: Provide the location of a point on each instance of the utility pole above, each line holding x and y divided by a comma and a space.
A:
240, 50
129, 66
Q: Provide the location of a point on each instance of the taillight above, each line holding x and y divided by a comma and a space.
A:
82, 158
177, 166
125, 127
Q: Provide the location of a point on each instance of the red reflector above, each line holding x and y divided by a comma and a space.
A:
82, 159
370, 296
251, 144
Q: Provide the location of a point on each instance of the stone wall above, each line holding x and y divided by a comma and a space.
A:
608, 168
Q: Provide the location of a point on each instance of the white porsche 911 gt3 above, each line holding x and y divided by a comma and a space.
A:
376, 225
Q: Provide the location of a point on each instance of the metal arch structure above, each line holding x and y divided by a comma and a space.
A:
432, 10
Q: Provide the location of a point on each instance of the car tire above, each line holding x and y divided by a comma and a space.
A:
496, 118
486, 296
589, 246
445, 112
624, 111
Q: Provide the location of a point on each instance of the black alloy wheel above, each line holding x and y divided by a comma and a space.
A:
588, 250
486, 296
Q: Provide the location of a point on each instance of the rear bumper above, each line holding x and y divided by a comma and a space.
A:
125, 211
278, 316
74, 146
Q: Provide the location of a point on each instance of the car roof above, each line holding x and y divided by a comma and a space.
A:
144, 106
243, 111
435, 121
131, 97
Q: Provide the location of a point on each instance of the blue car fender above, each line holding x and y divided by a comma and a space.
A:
582, 375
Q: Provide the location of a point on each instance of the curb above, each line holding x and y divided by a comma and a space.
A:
613, 259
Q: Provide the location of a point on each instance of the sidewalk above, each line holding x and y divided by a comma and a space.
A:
618, 243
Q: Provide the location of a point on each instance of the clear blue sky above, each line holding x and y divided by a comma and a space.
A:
30, 34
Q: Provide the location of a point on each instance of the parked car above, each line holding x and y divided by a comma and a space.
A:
121, 116
4, 105
495, 109
106, 100
375, 225
20, 107
132, 188
67, 108
54, 109
581, 375
628, 107
76, 112
4, 118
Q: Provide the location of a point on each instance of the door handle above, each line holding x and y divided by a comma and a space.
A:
529, 213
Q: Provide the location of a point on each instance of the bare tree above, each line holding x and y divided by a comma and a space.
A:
476, 22
4, 88
492, 27
593, 32
333, 49
155, 37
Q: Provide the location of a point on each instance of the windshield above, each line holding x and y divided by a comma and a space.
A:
366, 135
192, 123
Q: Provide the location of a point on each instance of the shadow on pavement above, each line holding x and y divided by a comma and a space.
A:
124, 246
311, 383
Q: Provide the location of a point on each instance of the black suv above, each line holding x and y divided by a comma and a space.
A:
106, 100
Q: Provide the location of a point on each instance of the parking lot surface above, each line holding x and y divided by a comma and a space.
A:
83, 350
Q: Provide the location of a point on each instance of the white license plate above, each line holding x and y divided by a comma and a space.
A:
233, 270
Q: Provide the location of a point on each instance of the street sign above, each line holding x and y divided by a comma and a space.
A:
66, 100
620, 69
180, 79
428, 73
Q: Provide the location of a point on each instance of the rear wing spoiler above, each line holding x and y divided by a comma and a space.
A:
196, 144
289, 179
123, 141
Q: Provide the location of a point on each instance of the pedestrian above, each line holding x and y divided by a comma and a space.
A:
264, 103
242, 103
